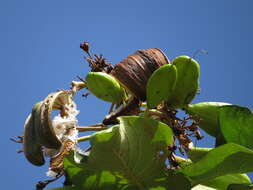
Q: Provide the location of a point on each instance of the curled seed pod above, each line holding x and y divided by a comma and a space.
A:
36, 111
32, 149
105, 87
161, 84
187, 84
207, 114
56, 100
134, 71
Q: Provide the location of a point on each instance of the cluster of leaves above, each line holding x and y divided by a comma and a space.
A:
140, 152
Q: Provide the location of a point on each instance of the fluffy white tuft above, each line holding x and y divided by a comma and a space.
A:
51, 173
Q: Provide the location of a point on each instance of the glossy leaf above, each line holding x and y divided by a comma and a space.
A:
240, 187
161, 84
129, 155
222, 182
207, 113
197, 153
237, 125
226, 159
105, 87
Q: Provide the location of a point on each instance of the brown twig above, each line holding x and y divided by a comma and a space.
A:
94, 127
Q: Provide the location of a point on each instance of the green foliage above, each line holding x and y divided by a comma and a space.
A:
237, 125
129, 155
208, 114
221, 161
139, 152
221, 182
240, 187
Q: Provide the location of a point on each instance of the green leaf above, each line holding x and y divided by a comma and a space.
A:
237, 125
226, 159
173, 181
222, 182
161, 84
197, 153
207, 113
131, 155
240, 187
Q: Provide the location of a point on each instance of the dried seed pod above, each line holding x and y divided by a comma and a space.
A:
187, 83
161, 84
32, 149
56, 100
105, 87
36, 111
134, 71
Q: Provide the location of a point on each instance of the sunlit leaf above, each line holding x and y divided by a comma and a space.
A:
207, 113
236, 124
197, 153
223, 160
222, 182
131, 155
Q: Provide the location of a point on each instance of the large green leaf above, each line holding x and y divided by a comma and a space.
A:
129, 156
236, 124
197, 153
222, 182
223, 160
207, 113
240, 187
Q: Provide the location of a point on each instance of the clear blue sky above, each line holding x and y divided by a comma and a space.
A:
39, 53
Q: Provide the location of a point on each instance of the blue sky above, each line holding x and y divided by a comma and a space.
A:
39, 53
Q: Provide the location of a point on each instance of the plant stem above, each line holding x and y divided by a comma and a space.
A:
88, 128
84, 138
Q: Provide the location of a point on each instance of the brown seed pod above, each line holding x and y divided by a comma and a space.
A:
134, 71
56, 100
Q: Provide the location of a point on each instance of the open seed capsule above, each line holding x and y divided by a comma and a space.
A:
105, 87
161, 84
187, 83
57, 100
32, 149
